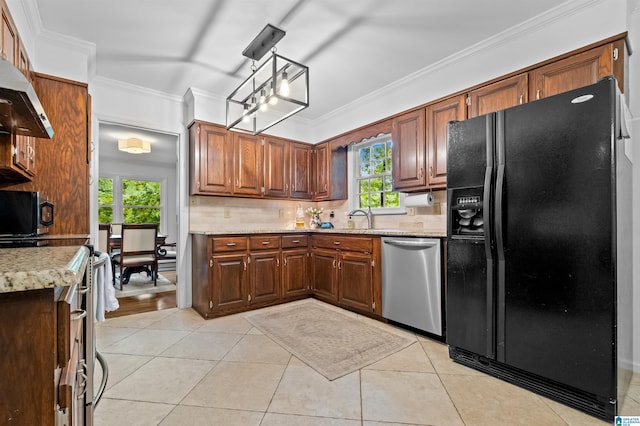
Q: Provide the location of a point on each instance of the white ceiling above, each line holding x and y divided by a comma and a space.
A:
352, 47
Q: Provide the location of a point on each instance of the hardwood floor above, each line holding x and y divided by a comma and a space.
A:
146, 302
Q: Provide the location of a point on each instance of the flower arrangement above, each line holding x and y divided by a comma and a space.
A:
314, 212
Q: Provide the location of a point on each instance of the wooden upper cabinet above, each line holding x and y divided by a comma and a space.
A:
322, 175
9, 41
300, 171
573, 72
276, 167
247, 164
438, 117
499, 95
211, 156
409, 157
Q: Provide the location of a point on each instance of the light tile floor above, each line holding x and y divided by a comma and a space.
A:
172, 367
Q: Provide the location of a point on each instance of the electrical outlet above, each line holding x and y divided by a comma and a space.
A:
227, 213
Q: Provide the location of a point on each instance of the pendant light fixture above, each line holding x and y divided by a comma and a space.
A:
275, 90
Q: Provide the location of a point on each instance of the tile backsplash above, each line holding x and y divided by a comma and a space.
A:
208, 213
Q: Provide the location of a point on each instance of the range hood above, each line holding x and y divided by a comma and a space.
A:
20, 109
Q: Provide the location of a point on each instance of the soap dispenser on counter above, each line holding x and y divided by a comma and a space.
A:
299, 224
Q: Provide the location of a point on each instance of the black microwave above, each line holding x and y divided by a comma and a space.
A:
22, 213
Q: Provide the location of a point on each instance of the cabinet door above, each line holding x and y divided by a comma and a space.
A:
229, 282
294, 272
355, 283
322, 171
265, 276
323, 273
438, 117
301, 171
276, 168
571, 73
211, 160
499, 95
247, 164
24, 157
9, 37
409, 157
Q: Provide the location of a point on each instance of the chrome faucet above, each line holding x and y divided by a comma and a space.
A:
367, 213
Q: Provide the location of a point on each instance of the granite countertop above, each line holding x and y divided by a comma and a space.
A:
32, 268
376, 232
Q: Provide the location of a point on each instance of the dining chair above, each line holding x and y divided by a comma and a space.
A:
137, 251
104, 234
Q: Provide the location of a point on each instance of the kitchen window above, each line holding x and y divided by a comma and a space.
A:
131, 200
371, 179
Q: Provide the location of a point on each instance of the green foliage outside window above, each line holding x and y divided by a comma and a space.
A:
140, 200
374, 176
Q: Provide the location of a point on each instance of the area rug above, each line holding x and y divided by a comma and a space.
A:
332, 343
142, 284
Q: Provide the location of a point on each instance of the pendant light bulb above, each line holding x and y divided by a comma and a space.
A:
245, 114
253, 106
284, 84
273, 99
263, 100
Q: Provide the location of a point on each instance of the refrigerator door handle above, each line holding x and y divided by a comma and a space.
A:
487, 200
499, 234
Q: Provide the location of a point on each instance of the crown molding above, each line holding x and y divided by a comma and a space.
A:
116, 84
531, 25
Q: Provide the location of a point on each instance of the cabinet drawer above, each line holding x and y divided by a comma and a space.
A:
294, 241
360, 244
225, 244
264, 242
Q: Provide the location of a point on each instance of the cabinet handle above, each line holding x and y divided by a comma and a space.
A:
264, 243
82, 290
210, 263
231, 244
521, 99
284, 261
420, 174
295, 241
79, 314
337, 243
238, 183
277, 263
249, 298
431, 171
245, 265
334, 263
340, 264
229, 181
83, 384
538, 94
325, 186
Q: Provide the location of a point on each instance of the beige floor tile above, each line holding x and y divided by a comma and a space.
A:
120, 366
229, 324
254, 331
257, 348
273, 419
634, 391
107, 336
166, 380
304, 391
630, 407
182, 319
138, 320
235, 385
146, 342
204, 416
572, 416
406, 397
411, 358
438, 353
490, 401
368, 423
114, 412
210, 346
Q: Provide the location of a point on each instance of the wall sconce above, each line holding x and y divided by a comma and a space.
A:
134, 146
276, 90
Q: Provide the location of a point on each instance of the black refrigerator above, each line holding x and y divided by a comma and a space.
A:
539, 247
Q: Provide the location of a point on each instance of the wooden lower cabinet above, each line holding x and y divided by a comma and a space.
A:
295, 273
237, 273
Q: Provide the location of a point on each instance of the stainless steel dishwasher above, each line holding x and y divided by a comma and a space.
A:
411, 282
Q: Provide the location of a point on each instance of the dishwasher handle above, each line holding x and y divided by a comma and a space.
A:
412, 244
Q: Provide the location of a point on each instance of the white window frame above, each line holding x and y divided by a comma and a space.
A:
118, 205
354, 166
